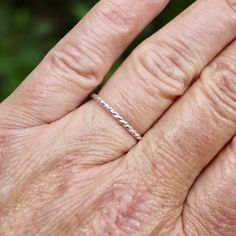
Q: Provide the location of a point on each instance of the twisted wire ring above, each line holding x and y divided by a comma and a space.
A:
117, 117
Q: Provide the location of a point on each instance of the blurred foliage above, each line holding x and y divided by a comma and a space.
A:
29, 28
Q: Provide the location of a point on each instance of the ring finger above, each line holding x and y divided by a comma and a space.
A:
155, 74
162, 68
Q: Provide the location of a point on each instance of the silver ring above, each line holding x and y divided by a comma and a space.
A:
117, 117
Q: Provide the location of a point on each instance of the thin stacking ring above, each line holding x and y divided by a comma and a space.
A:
117, 117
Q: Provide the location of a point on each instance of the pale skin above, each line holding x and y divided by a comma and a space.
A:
67, 167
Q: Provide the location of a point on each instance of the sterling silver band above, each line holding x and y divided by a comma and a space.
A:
117, 117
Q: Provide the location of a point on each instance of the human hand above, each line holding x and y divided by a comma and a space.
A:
68, 168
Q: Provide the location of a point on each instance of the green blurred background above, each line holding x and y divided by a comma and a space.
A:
29, 28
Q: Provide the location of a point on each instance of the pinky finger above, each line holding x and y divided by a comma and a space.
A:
210, 208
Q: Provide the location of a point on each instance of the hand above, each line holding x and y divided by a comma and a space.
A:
68, 168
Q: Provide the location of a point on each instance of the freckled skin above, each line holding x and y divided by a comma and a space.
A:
68, 169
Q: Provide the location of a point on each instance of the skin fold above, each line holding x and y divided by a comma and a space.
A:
67, 168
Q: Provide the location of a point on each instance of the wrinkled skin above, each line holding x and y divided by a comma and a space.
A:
67, 167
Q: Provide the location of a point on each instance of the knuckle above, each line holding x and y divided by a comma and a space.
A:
165, 67
219, 84
78, 64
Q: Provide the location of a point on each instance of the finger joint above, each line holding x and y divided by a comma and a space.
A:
80, 64
166, 68
219, 84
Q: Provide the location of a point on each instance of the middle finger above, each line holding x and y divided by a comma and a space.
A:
162, 67
155, 74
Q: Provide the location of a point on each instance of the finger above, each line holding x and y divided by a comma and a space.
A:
210, 207
75, 67
194, 129
163, 67
149, 81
